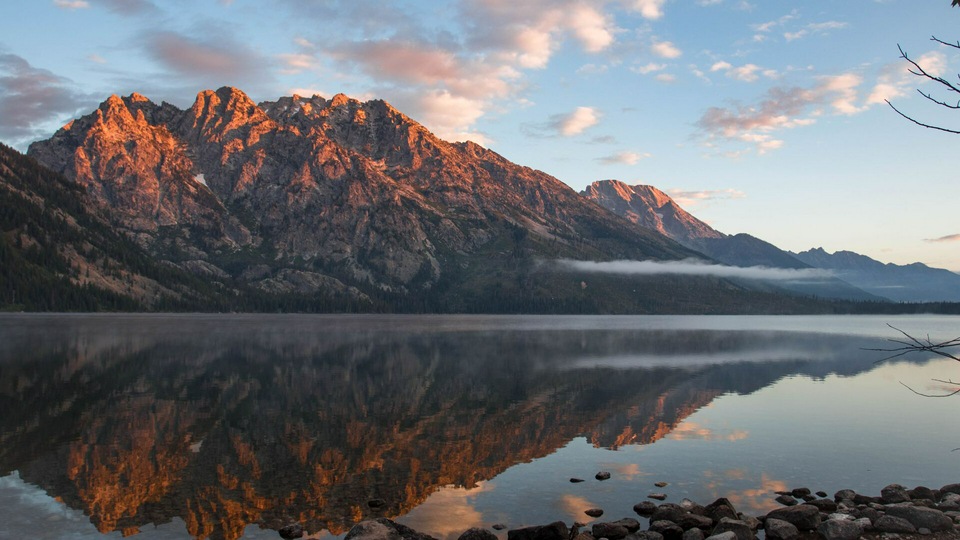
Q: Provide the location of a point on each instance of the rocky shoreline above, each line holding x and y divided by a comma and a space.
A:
897, 513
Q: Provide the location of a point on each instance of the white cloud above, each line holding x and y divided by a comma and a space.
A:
296, 63
745, 73
648, 9
648, 68
665, 49
576, 122
895, 80
666, 77
693, 267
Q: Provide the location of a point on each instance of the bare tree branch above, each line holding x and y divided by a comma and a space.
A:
938, 128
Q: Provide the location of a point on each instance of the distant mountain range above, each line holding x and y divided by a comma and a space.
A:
856, 276
314, 204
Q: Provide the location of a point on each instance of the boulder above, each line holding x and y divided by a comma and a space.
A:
736, 526
594, 512
609, 530
922, 518
894, 493
950, 488
602, 475
694, 521
630, 524
727, 535
670, 512
693, 534
800, 492
554, 531
384, 529
777, 529
291, 531
844, 494
477, 533
802, 516
645, 508
786, 500
824, 505
892, 524
645, 535
922, 492
840, 529
669, 529
720, 509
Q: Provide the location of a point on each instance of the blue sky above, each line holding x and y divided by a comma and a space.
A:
758, 116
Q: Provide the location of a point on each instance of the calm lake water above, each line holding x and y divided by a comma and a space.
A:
180, 426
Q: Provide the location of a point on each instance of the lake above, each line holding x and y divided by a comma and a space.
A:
229, 426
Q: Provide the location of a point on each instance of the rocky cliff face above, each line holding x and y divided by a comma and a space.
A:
352, 192
649, 207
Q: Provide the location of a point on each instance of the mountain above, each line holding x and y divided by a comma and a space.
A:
311, 198
58, 251
653, 209
902, 283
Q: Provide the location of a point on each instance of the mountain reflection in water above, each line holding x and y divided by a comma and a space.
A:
236, 420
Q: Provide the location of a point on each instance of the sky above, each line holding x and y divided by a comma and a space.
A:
765, 117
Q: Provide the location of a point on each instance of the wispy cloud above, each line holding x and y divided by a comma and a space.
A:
32, 98
745, 73
692, 198
71, 4
693, 267
624, 158
782, 109
948, 238
213, 61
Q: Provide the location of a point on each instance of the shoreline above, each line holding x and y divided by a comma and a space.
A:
897, 513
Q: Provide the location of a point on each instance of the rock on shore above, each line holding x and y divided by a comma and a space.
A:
897, 513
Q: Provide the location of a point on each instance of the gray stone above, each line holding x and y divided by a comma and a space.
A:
603, 475
786, 500
864, 523
922, 492
751, 522
821, 494
477, 533
894, 493
720, 509
922, 518
802, 516
869, 513
892, 524
950, 488
291, 531
499, 526
736, 526
777, 529
576, 480
669, 511
631, 524
554, 531
825, 505
693, 534
594, 512
840, 529
800, 492
658, 496
669, 529
844, 494
384, 529
694, 521
728, 535
645, 508
645, 535
924, 531
584, 536
609, 530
